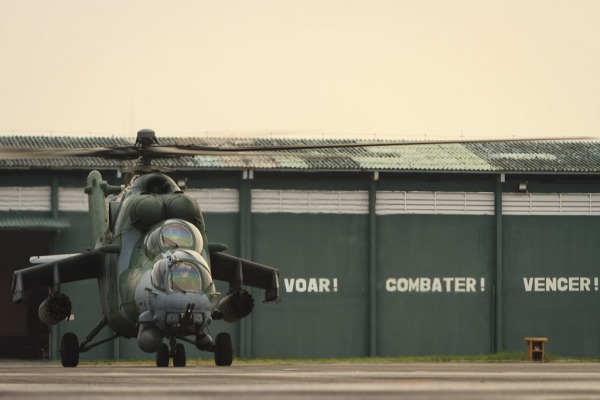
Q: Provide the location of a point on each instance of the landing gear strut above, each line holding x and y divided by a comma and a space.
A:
70, 347
177, 353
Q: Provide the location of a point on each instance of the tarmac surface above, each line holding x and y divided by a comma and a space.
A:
48, 381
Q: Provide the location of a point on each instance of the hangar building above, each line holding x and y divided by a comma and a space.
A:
404, 250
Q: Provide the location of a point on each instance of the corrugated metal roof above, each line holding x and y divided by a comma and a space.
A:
8, 222
536, 156
548, 156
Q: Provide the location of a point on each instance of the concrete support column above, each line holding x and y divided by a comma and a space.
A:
373, 265
497, 300
245, 237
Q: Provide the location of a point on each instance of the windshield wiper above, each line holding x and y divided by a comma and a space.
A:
176, 286
168, 241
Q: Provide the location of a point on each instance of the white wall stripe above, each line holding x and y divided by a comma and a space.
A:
468, 203
333, 202
25, 198
551, 204
310, 202
217, 200
72, 199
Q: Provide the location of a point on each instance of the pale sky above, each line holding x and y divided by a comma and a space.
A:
403, 68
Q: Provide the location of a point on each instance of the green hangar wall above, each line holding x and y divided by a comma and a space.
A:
395, 264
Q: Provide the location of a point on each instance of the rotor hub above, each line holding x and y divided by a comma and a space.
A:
146, 138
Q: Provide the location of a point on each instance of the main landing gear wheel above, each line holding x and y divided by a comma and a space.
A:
179, 356
223, 350
69, 350
162, 356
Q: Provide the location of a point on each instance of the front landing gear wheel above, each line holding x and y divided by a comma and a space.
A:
223, 350
69, 350
179, 357
162, 356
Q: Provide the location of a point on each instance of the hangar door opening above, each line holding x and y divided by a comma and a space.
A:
22, 334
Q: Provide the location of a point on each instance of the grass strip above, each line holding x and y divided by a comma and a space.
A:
487, 358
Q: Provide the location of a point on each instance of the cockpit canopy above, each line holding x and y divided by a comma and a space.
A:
182, 270
154, 183
173, 234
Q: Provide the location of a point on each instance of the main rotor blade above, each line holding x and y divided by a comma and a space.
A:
159, 152
192, 149
123, 153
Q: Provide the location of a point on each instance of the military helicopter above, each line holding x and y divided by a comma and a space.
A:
152, 259
153, 262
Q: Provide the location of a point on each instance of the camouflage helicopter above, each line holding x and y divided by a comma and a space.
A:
153, 262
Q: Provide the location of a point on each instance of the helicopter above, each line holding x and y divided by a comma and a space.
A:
154, 265
152, 259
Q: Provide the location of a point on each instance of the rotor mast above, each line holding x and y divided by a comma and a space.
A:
145, 139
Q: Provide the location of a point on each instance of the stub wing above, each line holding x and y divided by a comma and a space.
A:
238, 271
88, 265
